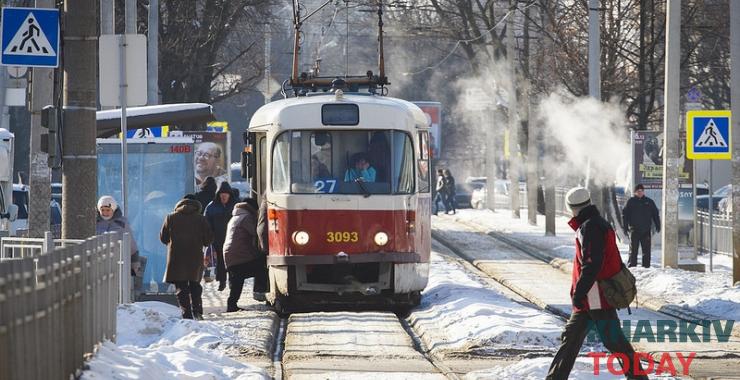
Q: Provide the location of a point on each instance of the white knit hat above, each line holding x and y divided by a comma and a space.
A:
107, 200
577, 198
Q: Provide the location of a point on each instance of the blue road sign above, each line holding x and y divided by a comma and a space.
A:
30, 37
708, 133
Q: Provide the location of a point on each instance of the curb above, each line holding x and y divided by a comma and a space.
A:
653, 304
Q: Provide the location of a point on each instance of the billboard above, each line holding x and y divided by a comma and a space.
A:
647, 161
212, 155
433, 110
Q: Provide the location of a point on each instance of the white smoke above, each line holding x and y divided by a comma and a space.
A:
583, 129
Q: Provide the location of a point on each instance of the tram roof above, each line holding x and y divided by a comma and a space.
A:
285, 111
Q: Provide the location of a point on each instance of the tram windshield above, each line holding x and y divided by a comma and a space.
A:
343, 162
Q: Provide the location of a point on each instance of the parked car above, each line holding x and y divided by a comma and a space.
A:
702, 201
464, 190
479, 196
237, 182
21, 196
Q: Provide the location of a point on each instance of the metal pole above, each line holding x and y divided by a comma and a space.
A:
122, 98
39, 178
107, 15
670, 134
153, 54
268, 69
711, 215
513, 114
735, 137
594, 64
130, 13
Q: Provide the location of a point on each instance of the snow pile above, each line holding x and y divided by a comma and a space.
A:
708, 293
154, 343
459, 314
536, 369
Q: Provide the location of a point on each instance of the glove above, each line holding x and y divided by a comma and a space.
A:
221, 286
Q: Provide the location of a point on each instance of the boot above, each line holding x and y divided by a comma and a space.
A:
183, 300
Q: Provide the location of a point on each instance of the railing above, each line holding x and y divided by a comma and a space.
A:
721, 233
15, 247
57, 306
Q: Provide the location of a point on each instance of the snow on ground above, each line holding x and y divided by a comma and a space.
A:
153, 342
709, 293
536, 369
460, 314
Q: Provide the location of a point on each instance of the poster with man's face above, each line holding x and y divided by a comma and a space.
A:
211, 158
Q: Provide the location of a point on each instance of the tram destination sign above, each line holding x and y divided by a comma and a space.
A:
340, 114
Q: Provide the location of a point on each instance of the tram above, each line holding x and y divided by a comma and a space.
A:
346, 181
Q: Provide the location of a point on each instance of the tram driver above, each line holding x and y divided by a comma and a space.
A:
361, 170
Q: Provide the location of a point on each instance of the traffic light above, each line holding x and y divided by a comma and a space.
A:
49, 141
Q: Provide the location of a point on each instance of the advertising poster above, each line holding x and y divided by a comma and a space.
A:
433, 110
212, 155
647, 148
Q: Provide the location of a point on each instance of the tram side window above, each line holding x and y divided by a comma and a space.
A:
281, 164
403, 162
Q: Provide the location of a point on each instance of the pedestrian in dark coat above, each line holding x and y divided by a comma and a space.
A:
241, 251
218, 214
597, 258
638, 217
207, 192
449, 181
186, 232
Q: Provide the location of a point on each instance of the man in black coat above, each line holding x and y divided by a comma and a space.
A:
207, 192
218, 214
638, 217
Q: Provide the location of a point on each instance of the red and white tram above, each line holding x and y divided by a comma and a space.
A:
346, 178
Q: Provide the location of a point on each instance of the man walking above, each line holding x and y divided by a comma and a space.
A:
186, 232
638, 217
597, 258
440, 195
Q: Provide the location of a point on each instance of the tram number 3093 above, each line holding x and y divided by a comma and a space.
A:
342, 237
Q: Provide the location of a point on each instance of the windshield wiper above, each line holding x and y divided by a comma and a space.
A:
361, 183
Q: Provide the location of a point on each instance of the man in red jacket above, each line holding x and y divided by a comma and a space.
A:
597, 258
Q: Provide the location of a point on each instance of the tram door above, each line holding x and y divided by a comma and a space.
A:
256, 164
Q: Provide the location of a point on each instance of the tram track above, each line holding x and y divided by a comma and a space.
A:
559, 264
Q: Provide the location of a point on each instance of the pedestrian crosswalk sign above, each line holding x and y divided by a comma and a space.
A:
709, 135
30, 37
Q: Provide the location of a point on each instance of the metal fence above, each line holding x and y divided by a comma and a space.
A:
18, 247
57, 306
721, 233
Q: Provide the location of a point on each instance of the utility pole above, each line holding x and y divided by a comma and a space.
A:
670, 134
594, 87
533, 180
80, 104
39, 177
153, 53
735, 138
513, 114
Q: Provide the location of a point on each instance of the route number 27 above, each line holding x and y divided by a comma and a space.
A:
325, 185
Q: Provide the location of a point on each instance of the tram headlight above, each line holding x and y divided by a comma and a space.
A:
300, 237
381, 238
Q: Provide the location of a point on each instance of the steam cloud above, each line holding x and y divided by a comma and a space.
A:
584, 128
